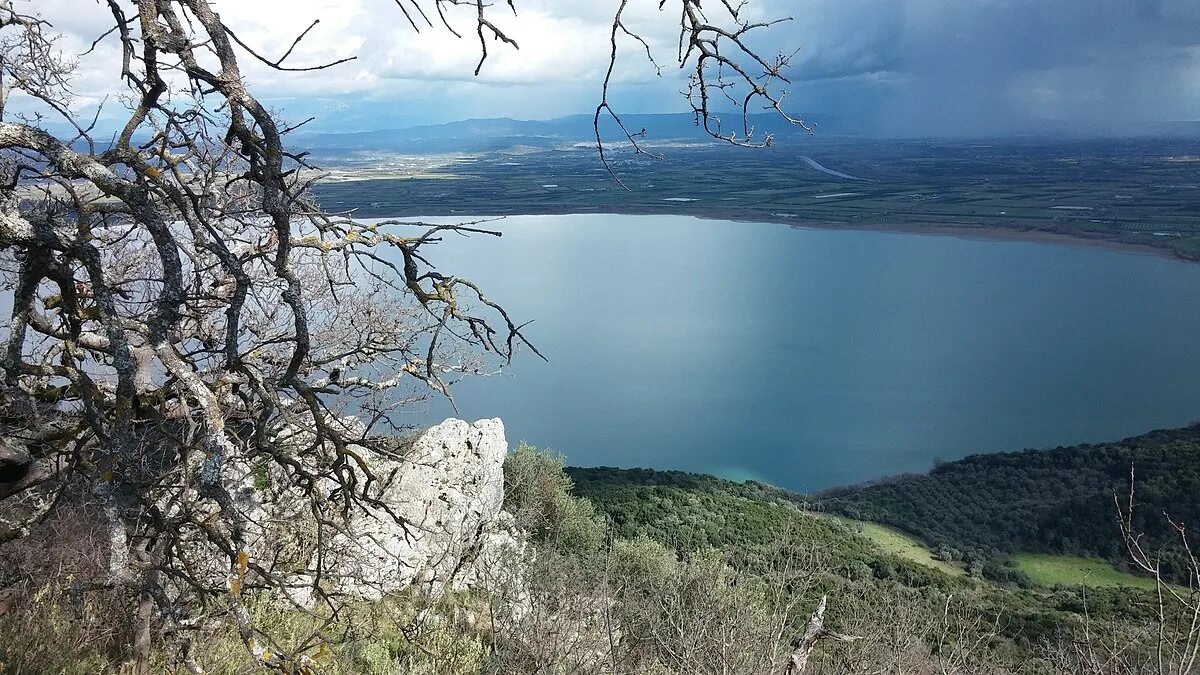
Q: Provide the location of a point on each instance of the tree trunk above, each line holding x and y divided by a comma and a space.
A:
143, 630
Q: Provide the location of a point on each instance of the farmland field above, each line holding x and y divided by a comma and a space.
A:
1137, 191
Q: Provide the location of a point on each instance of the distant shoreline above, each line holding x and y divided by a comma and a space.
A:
980, 232
975, 232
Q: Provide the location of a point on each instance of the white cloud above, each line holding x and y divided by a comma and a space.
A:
559, 42
559, 66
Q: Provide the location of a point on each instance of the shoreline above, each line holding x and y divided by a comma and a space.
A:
996, 233
977, 232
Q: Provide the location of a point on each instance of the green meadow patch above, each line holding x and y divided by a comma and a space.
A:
1065, 570
895, 542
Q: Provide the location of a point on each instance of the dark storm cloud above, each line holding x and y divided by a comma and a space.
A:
981, 66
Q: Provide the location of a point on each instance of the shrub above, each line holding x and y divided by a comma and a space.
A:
538, 495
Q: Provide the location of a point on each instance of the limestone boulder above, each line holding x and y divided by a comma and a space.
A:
445, 499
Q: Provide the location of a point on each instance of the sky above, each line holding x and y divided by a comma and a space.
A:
897, 67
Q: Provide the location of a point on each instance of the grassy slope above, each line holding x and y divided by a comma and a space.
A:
895, 542
1065, 570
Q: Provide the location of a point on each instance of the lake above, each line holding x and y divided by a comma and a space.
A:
813, 358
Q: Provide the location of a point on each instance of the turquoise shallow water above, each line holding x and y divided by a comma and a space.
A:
811, 358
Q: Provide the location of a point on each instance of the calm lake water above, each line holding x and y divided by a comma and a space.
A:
810, 358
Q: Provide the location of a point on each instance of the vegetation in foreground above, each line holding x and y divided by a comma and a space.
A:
688, 574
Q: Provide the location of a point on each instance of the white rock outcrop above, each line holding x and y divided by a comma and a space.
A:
446, 498
439, 522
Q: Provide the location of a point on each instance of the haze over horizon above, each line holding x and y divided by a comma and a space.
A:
993, 66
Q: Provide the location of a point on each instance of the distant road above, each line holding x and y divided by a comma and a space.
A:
823, 169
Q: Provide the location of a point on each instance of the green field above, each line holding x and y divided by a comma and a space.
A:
897, 543
1043, 569
1063, 570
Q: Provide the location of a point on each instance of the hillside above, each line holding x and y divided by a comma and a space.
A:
1056, 500
747, 521
690, 512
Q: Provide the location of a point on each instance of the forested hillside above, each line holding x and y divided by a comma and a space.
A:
695, 512
1056, 500
748, 521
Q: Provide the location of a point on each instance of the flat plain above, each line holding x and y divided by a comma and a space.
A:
1141, 192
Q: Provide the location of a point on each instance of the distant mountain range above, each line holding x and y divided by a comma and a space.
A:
502, 132
480, 135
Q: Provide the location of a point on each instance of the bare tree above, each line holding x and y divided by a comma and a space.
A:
1170, 643
1167, 641
725, 70
182, 307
